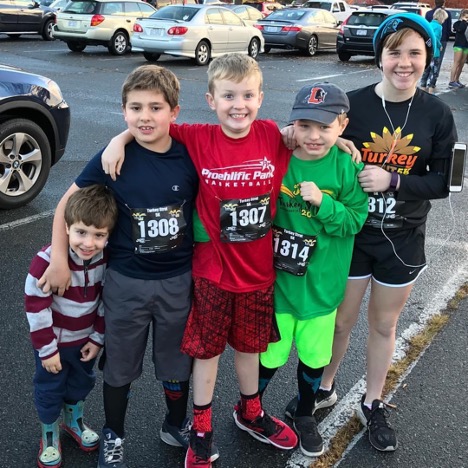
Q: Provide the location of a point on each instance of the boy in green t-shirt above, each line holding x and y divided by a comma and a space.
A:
320, 208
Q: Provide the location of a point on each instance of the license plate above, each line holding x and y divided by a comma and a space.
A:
271, 29
73, 24
361, 32
158, 32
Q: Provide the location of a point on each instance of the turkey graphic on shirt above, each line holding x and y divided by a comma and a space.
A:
393, 152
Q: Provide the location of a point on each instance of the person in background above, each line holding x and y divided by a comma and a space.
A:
446, 31
460, 49
429, 78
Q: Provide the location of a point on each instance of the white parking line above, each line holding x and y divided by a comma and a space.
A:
345, 408
29, 219
333, 76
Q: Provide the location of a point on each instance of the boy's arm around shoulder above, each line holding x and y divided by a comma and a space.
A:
113, 156
57, 277
37, 305
344, 213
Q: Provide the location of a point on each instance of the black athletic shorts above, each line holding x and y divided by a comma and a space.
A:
392, 257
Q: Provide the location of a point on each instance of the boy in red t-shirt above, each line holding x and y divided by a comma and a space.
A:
241, 163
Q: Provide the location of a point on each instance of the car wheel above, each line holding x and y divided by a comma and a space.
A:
151, 57
267, 49
119, 44
25, 160
254, 48
48, 30
312, 46
344, 56
202, 53
76, 47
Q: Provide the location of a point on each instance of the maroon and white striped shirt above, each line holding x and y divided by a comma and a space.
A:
71, 320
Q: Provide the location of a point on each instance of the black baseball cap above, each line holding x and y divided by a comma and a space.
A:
320, 102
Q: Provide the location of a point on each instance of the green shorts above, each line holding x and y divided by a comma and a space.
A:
313, 338
464, 50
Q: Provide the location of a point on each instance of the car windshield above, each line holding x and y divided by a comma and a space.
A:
365, 19
286, 15
455, 14
81, 7
322, 5
178, 13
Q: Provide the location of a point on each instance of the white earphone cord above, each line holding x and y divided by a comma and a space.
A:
383, 195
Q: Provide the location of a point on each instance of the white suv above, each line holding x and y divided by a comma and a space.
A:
413, 7
100, 22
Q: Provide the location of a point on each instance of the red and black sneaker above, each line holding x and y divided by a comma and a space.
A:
267, 429
199, 451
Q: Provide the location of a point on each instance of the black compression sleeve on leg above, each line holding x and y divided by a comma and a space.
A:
308, 382
115, 407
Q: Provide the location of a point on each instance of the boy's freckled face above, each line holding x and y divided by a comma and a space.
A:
236, 104
86, 241
148, 116
314, 139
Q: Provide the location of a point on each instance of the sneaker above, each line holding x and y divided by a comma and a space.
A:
310, 440
291, 408
111, 450
198, 452
460, 85
454, 84
381, 435
267, 429
180, 437
325, 398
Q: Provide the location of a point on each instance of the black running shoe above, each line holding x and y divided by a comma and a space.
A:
310, 440
381, 436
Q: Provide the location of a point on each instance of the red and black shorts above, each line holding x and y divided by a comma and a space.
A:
219, 317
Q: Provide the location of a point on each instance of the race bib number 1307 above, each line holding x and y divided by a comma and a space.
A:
245, 220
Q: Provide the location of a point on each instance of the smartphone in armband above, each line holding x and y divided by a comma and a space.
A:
457, 167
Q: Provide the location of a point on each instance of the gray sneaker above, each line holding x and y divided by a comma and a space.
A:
180, 437
325, 398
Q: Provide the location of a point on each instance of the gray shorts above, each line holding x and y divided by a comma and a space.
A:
131, 306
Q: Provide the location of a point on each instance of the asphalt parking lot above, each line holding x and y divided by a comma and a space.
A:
91, 84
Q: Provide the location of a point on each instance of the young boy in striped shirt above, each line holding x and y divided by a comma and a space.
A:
67, 332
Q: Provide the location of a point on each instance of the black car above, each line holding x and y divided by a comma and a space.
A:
357, 31
34, 124
26, 17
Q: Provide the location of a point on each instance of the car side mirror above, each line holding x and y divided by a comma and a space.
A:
33, 5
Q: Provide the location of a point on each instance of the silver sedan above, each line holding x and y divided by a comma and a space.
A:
196, 31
